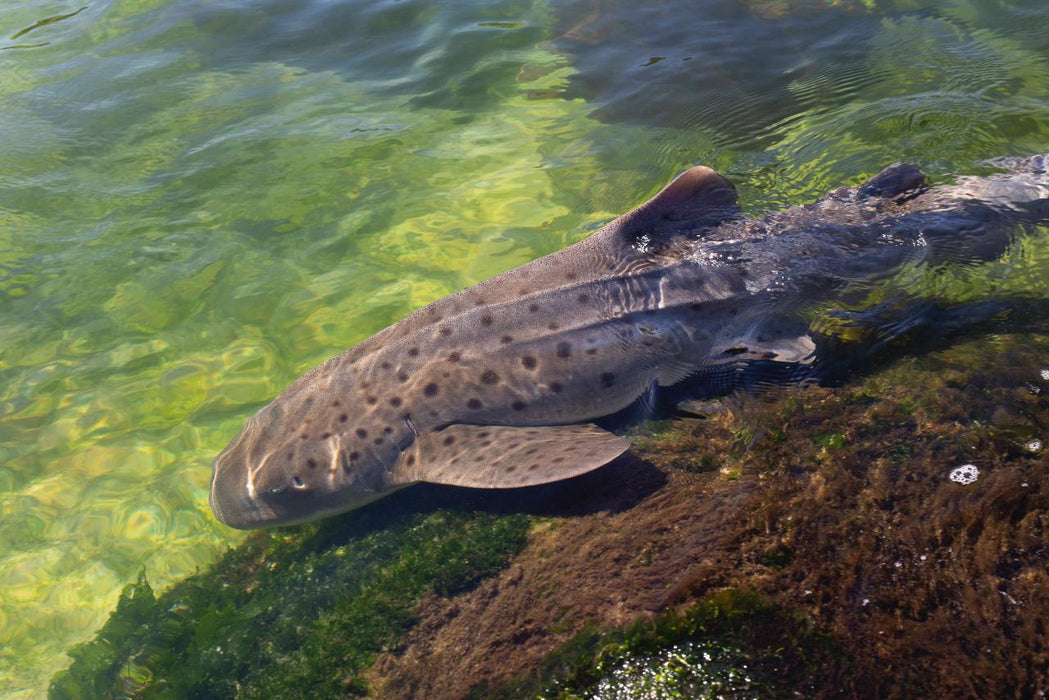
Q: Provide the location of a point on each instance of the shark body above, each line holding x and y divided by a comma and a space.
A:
497, 386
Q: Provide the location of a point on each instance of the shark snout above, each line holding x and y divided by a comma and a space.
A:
233, 497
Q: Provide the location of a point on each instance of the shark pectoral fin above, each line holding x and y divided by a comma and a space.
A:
495, 456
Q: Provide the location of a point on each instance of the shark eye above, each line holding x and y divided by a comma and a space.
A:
298, 483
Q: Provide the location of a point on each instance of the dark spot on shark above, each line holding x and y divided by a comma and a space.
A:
336, 403
474, 404
584, 298
410, 460
343, 418
354, 455
430, 389
531, 451
553, 325
311, 463
371, 400
396, 401
388, 429
402, 377
591, 351
304, 436
486, 320
445, 331
325, 436
564, 349
607, 380
533, 308
571, 276
518, 405
362, 433
379, 440
449, 439
489, 377
454, 357
480, 302
385, 364
533, 467
557, 460
506, 339
413, 352
556, 387
511, 469
529, 362
483, 434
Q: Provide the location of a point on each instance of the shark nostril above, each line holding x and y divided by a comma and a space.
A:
298, 483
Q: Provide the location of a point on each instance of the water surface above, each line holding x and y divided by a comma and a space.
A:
199, 201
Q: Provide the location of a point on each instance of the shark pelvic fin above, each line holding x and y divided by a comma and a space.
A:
497, 456
800, 350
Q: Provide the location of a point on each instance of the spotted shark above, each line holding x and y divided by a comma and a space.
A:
500, 385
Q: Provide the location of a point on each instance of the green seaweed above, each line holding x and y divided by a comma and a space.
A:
290, 613
730, 642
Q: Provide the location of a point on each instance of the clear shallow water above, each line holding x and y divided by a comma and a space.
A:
200, 201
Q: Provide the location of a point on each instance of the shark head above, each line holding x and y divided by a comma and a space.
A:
297, 459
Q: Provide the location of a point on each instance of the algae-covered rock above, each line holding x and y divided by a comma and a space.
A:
732, 643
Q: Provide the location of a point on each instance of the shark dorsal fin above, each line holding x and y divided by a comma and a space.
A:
698, 193
893, 181
696, 199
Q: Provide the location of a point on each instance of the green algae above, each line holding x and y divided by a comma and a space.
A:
733, 643
289, 613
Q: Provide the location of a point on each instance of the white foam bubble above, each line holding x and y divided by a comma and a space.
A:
965, 474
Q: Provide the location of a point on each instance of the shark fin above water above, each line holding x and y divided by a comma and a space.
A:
696, 199
893, 181
499, 456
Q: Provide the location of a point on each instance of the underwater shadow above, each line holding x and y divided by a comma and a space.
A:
613, 488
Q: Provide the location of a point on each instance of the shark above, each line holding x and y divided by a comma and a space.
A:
504, 384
